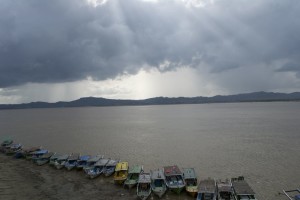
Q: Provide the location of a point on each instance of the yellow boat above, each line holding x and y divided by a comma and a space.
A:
121, 172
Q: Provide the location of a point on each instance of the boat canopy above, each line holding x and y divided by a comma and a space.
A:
157, 174
47, 155
95, 158
7, 142
84, 158
63, 157
42, 151
15, 146
189, 173
242, 188
144, 178
172, 170
136, 169
74, 156
121, 166
102, 162
207, 186
112, 163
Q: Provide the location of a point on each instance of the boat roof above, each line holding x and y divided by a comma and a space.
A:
47, 155
74, 156
112, 162
241, 187
63, 157
135, 169
172, 170
157, 174
7, 142
42, 151
207, 186
121, 166
95, 158
84, 157
15, 145
144, 178
224, 186
189, 173
56, 155
32, 149
102, 162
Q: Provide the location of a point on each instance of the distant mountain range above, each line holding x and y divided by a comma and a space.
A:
93, 101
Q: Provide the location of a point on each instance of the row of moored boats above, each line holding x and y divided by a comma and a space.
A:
157, 181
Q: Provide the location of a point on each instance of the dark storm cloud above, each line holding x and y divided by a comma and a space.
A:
69, 40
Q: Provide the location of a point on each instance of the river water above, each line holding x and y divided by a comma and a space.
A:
260, 141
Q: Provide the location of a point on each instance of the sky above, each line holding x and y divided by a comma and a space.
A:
62, 50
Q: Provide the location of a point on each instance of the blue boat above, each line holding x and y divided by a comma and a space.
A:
37, 154
72, 161
82, 161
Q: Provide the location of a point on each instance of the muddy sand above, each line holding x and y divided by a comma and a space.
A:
21, 180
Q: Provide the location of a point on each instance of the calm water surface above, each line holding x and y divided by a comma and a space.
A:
257, 140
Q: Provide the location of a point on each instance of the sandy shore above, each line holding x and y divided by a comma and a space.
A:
21, 179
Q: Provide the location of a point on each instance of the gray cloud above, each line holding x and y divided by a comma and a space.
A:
69, 40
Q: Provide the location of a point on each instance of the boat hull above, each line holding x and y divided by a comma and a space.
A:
192, 191
119, 181
41, 162
176, 190
159, 192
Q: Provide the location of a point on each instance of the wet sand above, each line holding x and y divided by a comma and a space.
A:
22, 179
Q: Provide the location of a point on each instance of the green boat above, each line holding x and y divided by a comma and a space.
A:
190, 178
133, 176
5, 145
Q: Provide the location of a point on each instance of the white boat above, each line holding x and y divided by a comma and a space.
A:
109, 169
72, 161
225, 191
158, 182
174, 178
242, 190
207, 190
143, 190
13, 149
98, 168
61, 160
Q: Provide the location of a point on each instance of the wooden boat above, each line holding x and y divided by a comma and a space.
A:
191, 182
121, 172
133, 176
91, 162
54, 158
174, 178
292, 194
225, 191
98, 168
13, 149
37, 154
109, 169
241, 189
72, 161
158, 182
60, 161
82, 161
207, 190
143, 190
5, 144
25, 152
44, 158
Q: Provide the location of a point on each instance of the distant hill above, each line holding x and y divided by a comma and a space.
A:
93, 101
